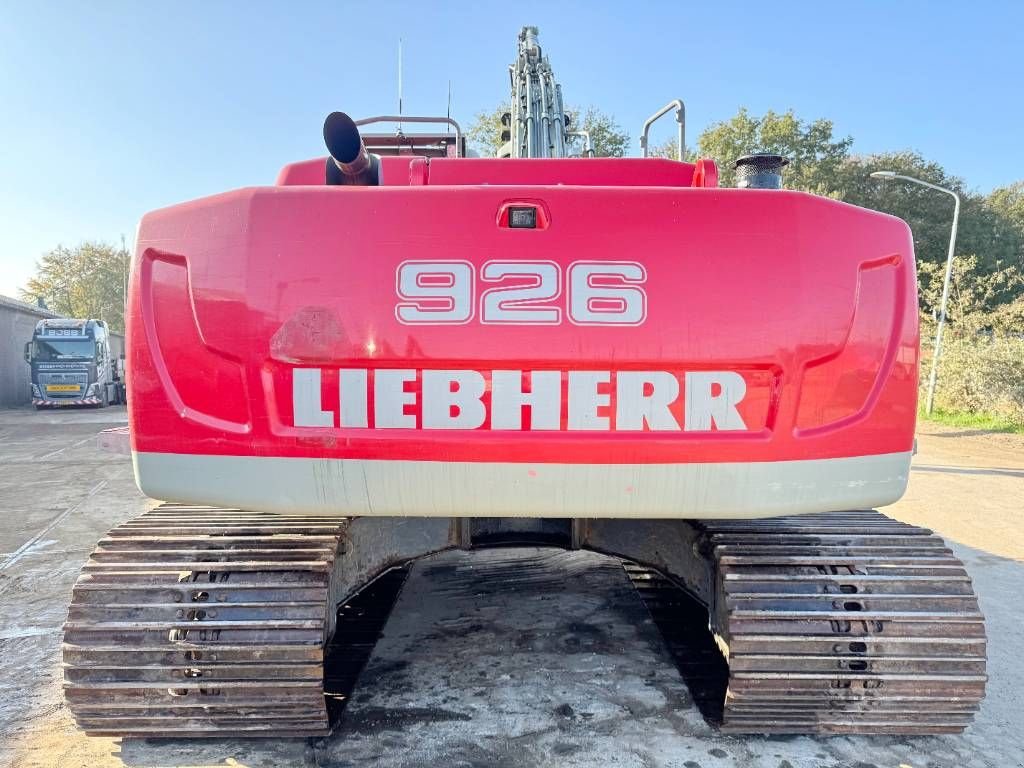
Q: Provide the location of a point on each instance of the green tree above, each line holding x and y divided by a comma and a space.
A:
1008, 320
85, 281
484, 133
607, 137
814, 154
669, 149
1008, 204
976, 297
928, 212
984, 230
1009, 201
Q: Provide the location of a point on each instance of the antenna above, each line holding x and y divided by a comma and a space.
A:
399, 82
448, 129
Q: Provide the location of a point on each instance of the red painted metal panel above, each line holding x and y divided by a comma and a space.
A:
611, 172
811, 301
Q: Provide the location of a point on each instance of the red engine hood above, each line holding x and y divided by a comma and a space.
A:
810, 302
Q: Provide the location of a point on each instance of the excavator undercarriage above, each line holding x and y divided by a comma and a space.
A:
194, 621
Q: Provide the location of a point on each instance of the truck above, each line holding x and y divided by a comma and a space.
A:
75, 362
390, 354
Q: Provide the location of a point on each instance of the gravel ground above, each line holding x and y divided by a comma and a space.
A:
510, 658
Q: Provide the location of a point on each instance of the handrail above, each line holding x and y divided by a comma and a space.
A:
414, 119
680, 109
588, 147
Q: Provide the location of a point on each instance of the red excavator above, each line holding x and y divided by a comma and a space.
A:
398, 349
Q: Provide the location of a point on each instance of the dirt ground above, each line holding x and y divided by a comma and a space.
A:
511, 658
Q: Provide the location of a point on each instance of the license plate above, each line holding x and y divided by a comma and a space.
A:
63, 387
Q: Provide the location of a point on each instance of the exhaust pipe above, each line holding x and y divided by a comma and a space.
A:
762, 170
349, 164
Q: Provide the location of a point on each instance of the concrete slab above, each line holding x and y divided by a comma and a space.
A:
511, 658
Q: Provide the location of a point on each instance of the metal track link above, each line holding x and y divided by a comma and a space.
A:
193, 621
844, 623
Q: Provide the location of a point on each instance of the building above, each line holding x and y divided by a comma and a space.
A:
17, 323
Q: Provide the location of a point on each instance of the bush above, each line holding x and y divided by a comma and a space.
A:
981, 370
980, 373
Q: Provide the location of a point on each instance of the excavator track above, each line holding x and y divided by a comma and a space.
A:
836, 623
192, 621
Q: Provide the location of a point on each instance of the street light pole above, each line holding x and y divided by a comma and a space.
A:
124, 282
930, 402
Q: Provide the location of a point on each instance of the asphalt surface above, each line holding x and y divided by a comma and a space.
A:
511, 658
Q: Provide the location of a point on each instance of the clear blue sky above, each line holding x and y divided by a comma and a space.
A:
111, 109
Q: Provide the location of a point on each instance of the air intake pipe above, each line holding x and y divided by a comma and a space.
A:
349, 164
762, 170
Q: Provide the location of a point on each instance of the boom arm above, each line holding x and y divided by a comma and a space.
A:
537, 120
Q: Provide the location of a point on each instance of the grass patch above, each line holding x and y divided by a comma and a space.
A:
983, 421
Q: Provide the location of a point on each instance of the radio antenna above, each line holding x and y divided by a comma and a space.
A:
399, 82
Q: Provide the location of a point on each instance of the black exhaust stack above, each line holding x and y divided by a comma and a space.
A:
762, 170
349, 164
